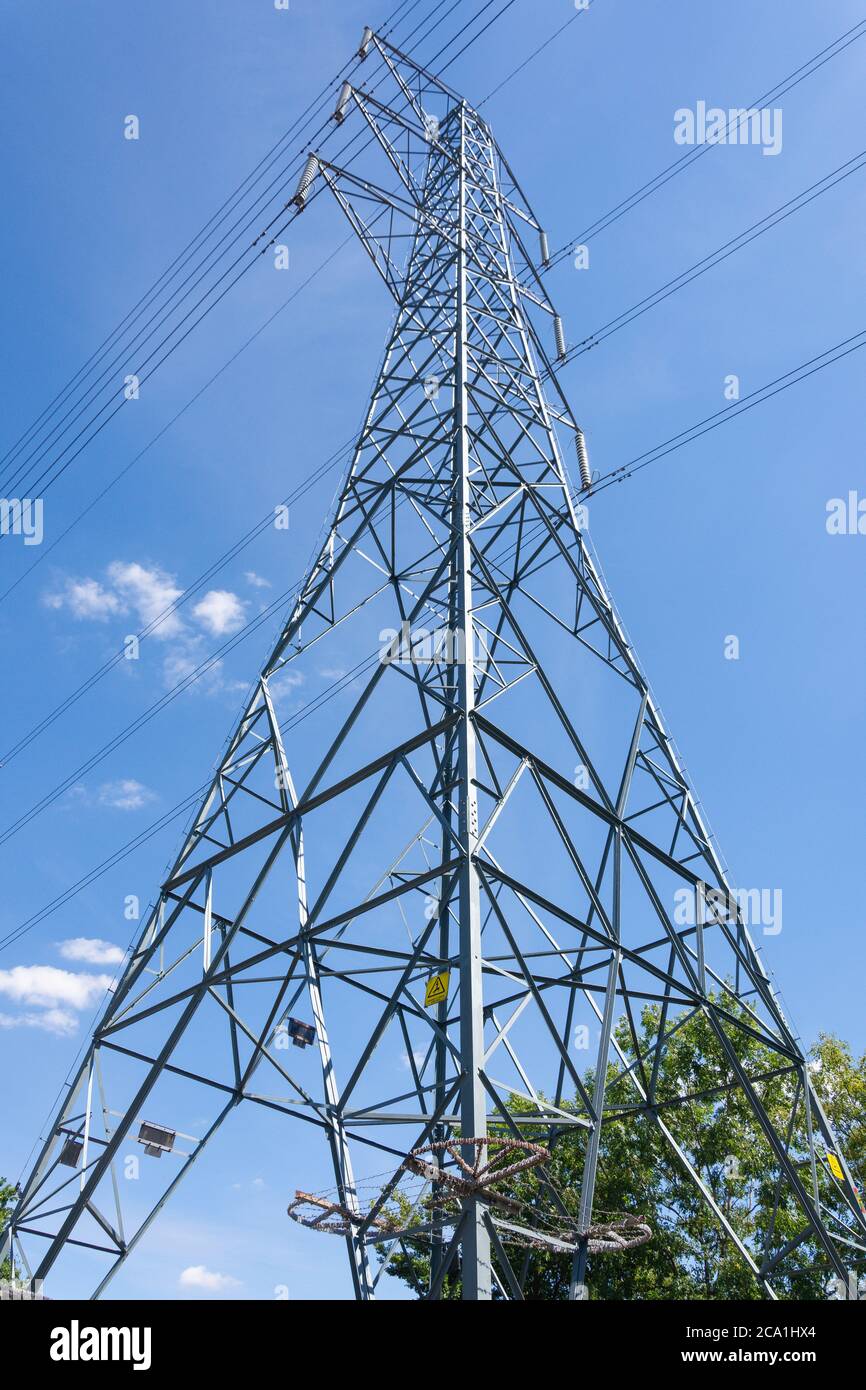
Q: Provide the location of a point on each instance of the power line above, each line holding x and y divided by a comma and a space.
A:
155, 323
210, 663
811, 65
786, 210
190, 679
183, 291
806, 369
45, 551
720, 417
714, 258
324, 696
217, 217
479, 318
534, 54
183, 598
231, 553
799, 75
764, 224
87, 685
807, 69
826, 358
327, 130
49, 719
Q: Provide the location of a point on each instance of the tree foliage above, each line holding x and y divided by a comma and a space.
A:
8, 1195
691, 1254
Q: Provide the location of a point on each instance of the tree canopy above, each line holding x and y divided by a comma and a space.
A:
8, 1194
691, 1255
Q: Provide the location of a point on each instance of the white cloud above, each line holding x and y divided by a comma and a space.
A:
58, 1021
149, 592
130, 586
200, 1277
257, 1185
125, 795
282, 684
417, 1057
45, 987
86, 599
176, 667
184, 660
221, 612
91, 950
256, 580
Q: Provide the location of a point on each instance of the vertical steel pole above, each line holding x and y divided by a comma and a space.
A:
473, 1099
590, 1166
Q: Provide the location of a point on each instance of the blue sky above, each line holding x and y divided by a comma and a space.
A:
726, 537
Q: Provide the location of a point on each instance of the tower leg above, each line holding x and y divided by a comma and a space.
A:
473, 1101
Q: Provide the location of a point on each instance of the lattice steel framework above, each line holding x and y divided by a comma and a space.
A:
492, 794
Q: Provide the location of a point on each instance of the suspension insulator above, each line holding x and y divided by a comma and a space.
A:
559, 338
311, 169
342, 103
583, 461
365, 42
545, 248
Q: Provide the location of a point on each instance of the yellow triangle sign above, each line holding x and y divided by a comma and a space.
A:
437, 989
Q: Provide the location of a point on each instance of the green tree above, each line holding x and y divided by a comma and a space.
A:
8, 1194
691, 1255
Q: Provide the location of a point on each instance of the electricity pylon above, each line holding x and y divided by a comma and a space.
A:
479, 842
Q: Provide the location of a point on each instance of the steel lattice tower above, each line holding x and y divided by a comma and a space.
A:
495, 795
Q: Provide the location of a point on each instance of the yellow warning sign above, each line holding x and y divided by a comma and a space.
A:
437, 989
835, 1166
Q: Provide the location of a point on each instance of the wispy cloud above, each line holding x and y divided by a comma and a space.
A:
220, 612
200, 1277
256, 581
180, 664
86, 599
58, 1021
282, 685
149, 592
147, 595
417, 1057
45, 985
125, 795
257, 1185
91, 950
